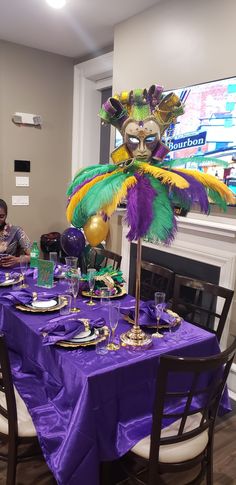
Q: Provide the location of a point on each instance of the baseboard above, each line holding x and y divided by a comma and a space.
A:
232, 381
232, 395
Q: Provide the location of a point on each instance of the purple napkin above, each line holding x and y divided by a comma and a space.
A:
147, 313
64, 328
24, 296
59, 270
11, 275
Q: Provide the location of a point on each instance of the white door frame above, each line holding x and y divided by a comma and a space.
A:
90, 77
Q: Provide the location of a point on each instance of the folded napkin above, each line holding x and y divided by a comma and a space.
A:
147, 313
10, 275
64, 328
24, 296
59, 269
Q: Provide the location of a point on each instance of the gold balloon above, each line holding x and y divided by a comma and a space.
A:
96, 230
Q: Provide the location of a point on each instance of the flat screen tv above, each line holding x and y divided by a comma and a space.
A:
207, 128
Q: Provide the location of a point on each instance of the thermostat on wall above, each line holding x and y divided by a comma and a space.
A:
27, 119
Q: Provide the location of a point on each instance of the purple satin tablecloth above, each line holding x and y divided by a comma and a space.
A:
88, 408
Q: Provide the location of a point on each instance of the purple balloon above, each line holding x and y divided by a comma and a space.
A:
72, 241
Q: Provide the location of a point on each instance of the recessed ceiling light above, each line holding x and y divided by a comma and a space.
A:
56, 3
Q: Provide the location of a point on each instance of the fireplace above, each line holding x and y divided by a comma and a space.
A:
205, 247
178, 264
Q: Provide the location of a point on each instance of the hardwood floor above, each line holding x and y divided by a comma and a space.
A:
37, 473
224, 464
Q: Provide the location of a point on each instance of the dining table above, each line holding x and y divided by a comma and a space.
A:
89, 408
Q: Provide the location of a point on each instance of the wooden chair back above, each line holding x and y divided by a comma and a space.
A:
155, 278
193, 386
201, 303
8, 411
102, 257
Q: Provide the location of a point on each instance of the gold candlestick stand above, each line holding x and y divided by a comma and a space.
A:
136, 337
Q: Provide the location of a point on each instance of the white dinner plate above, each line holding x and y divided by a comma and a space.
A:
8, 282
43, 304
77, 339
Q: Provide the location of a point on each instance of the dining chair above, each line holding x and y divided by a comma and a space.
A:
16, 425
201, 303
187, 398
154, 278
101, 257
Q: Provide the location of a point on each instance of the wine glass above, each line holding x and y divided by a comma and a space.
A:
91, 281
74, 283
23, 268
159, 307
114, 315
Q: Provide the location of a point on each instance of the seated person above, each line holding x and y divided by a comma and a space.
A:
13, 241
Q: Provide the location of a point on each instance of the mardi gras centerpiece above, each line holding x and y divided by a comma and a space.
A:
139, 173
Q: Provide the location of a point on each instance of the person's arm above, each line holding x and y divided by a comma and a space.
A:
23, 243
9, 260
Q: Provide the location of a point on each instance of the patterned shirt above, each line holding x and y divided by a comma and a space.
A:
13, 241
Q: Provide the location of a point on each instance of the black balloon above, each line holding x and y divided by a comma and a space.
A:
72, 241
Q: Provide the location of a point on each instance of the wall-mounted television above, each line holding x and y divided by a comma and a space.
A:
207, 128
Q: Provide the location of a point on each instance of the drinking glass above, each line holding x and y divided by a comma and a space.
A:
23, 268
159, 307
105, 294
53, 257
65, 309
71, 262
91, 281
74, 283
101, 345
114, 315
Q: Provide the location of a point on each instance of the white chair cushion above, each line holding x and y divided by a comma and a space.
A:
24, 420
183, 451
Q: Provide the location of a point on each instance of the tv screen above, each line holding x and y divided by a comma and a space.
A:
207, 128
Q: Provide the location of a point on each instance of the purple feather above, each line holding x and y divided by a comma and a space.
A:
171, 233
195, 193
139, 207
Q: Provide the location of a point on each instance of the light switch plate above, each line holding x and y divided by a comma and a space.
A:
20, 200
22, 181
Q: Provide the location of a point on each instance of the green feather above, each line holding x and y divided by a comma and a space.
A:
162, 226
217, 199
97, 197
199, 160
88, 173
177, 200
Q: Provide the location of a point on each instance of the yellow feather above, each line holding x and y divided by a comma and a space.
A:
211, 182
165, 176
122, 192
78, 196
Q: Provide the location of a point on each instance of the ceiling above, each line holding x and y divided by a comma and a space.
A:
82, 28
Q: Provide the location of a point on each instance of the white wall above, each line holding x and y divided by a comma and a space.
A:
176, 43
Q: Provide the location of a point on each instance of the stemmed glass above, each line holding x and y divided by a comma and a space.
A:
23, 268
91, 281
74, 281
114, 315
159, 307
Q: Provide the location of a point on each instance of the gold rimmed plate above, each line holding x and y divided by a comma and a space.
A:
39, 309
87, 341
162, 324
11, 281
120, 291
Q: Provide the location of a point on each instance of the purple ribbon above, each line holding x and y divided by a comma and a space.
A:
65, 328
